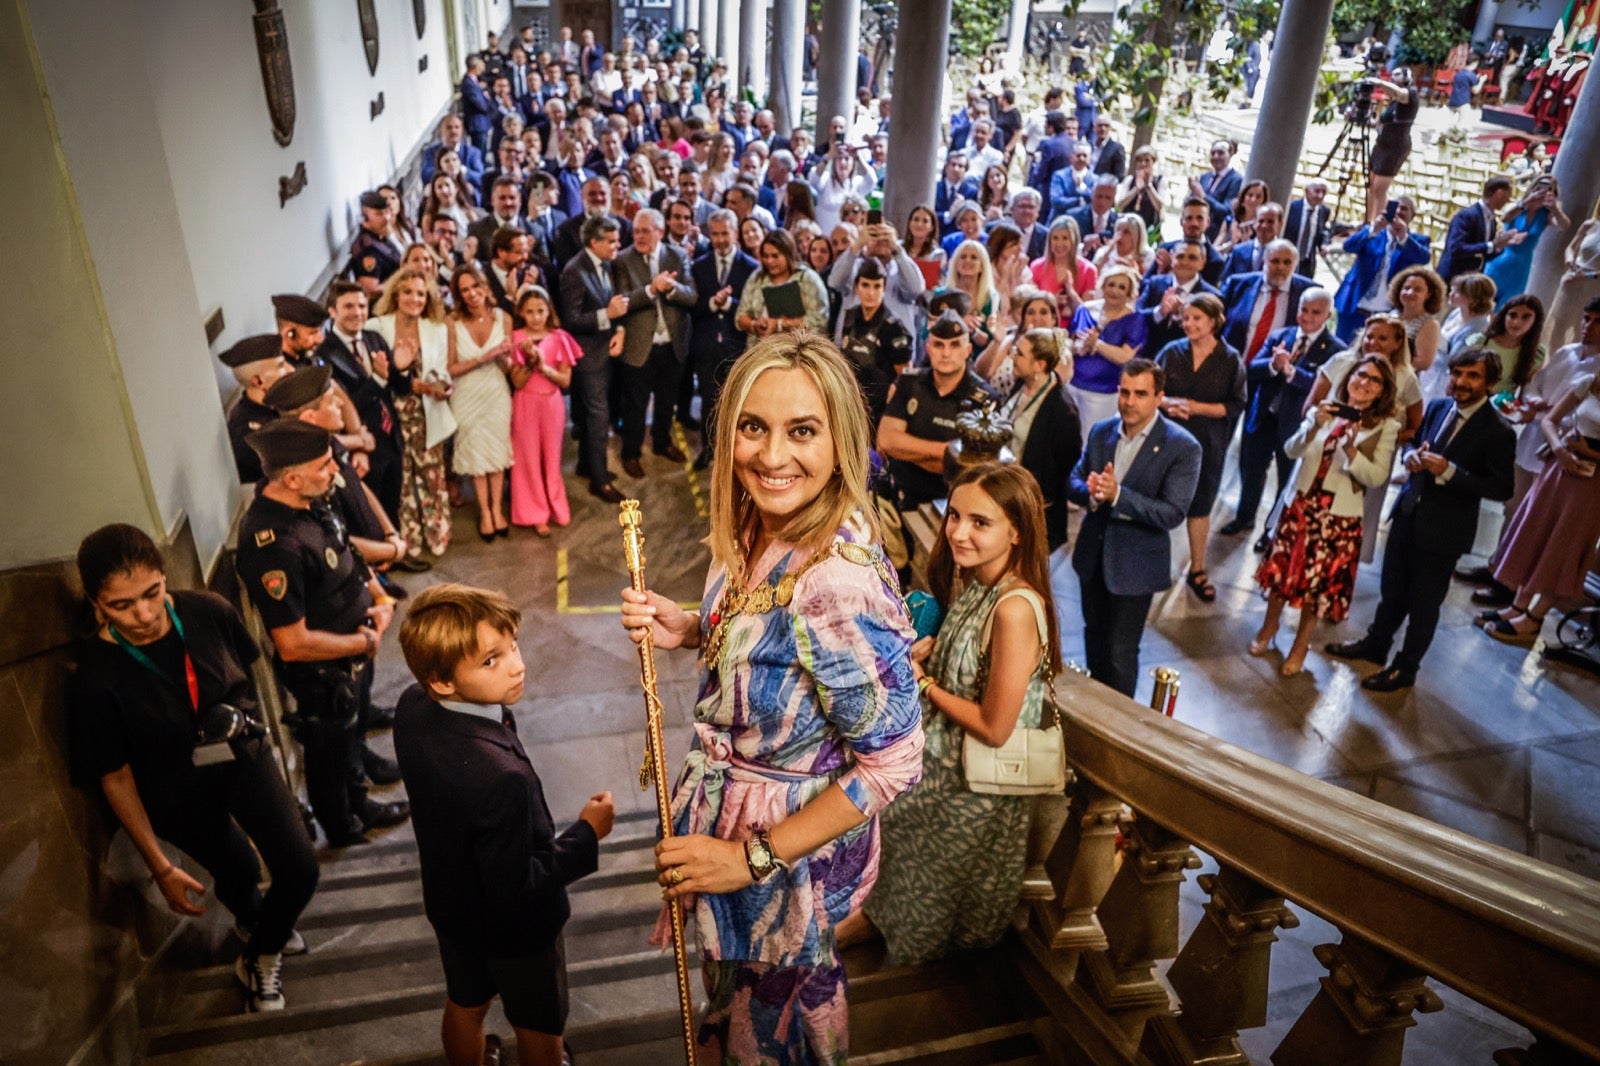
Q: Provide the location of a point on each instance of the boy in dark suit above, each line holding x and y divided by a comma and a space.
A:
494, 871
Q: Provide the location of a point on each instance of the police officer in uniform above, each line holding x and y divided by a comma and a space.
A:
326, 614
373, 257
256, 363
877, 344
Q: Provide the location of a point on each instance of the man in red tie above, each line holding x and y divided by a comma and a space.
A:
1259, 303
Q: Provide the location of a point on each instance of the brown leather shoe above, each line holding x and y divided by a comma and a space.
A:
633, 468
673, 452
606, 492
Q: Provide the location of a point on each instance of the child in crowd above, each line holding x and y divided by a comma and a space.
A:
494, 871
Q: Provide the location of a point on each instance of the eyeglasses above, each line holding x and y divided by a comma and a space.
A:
1365, 376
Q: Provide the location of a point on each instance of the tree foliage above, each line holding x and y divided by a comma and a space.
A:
976, 24
1429, 28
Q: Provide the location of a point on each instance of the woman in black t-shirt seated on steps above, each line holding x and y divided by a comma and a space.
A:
163, 715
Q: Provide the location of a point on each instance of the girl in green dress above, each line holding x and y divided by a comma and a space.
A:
953, 859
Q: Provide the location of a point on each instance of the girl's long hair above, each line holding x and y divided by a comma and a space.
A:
1528, 351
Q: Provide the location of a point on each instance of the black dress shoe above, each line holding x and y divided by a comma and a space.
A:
1361, 649
673, 452
380, 718
391, 588
1263, 544
411, 564
606, 492
1475, 575
1392, 679
375, 815
380, 771
1237, 528
1494, 595
702, 461
633, 468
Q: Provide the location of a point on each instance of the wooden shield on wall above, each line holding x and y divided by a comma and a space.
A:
419, 14
368, 10
277, 77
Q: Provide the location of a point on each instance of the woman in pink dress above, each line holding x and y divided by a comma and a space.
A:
542, 358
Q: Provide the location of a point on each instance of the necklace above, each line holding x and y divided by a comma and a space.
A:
737, 600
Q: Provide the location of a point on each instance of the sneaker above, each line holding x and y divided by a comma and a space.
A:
259, 976
295, 946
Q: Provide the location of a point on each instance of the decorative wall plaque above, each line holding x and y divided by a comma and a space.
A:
291, 186
277, 77
376, 106
368, 10
419, 15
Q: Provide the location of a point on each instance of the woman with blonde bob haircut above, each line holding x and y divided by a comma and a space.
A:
807, 723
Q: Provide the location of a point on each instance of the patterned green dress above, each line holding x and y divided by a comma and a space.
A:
953, 859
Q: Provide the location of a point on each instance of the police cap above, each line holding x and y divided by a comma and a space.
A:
289, 442
948, 326
295, 390
300, 310
255, 349
951, 299
374, 201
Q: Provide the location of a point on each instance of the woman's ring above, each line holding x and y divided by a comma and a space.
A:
675, 876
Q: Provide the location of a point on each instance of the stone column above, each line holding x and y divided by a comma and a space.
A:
1577, 170
1290, 91
921, 54
1017, 33
752, 69
1488, 15
727, 43
839, 41
784, 73
708, 23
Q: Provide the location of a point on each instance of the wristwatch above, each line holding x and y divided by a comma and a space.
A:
759, 856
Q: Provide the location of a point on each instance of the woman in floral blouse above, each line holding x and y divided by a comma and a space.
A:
807, 723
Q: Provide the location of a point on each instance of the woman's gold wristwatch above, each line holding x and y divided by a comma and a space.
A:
759, 856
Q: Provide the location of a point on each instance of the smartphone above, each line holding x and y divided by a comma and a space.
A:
874, 217
1391, 209
1346, 412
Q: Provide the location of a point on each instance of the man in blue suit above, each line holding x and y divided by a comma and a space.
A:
954, 187
1247, 296
1219, 186
1380, 255
1136, 479
1250, 255
1475, 232
1195, 221
477, 110
1055, 153
1071, 187
453, 138
1085, 104
1280, 377
1162, 296
719, 277
1097, 218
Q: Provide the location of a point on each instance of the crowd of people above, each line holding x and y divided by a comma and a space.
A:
608, 238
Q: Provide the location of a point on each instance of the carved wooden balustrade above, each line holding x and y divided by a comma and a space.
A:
1414, 903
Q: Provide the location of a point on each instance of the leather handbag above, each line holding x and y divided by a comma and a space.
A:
1032, 761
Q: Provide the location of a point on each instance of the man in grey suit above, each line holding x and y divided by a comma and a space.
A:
590, 308
656, 342
1136, 479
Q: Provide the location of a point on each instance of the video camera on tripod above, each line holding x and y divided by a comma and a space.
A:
1358, 110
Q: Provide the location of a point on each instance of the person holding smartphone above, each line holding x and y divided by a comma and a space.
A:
1345, 447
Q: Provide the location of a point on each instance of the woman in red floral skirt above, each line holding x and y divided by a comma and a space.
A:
1345, 447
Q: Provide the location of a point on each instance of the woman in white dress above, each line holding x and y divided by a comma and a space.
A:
409, 316
480, 356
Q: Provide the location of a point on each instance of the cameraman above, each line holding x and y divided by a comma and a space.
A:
164, 679
1393, 143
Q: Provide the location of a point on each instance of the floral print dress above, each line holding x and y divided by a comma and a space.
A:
805, 696
1314, 555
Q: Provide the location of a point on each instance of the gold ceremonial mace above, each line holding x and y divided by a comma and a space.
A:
655, 760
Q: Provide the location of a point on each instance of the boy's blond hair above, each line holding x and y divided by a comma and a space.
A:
441, 628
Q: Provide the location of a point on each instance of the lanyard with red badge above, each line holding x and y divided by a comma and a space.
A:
204, 753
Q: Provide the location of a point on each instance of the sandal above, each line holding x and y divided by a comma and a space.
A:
1509, 633
1201, 586
1261, 646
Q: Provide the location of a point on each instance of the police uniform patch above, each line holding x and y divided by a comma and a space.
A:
265, 537
276, 582
332, 557
369, 262
911, 406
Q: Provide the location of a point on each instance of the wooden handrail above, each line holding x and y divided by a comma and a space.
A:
1517, 935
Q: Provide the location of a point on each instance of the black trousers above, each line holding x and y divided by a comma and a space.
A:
657, 379
1414, 585
329, 728
384, 479
591, 421
1112, 628
711, 366
240, 809
1259, 450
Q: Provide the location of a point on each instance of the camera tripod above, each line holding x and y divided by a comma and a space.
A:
1353, 148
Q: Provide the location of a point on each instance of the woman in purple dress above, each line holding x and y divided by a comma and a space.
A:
1107, 333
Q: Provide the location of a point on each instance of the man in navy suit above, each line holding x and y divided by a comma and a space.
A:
1072, 186
591, 306
1023, 213
1098, 217
1464, 454
1248, 256
1195, 221
452, 137
1307, 225
1219, 186
1055, 153
719, 277
1136, 478
1162, 296
1381, 253
1475, 232
1279, 377
477, 110
951, 189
